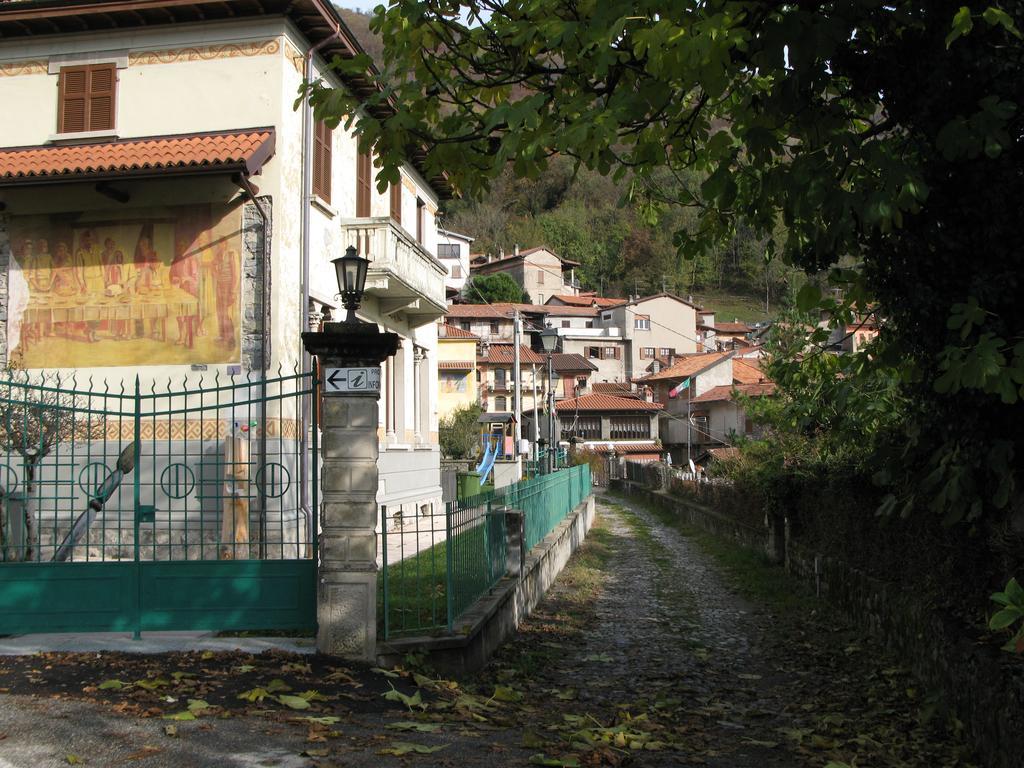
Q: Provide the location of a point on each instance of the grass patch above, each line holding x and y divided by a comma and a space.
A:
730, 306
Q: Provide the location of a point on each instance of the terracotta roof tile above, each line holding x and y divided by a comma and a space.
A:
554, 310
454, 332
747, 370
502, 354
619, 388
245, 150
596, 402
732, 328
651, 449
587, 301
455, 365
688, 365
570, 361
725, 392
496, 311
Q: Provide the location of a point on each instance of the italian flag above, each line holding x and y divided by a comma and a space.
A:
685, 384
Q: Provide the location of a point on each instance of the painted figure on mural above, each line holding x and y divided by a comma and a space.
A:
207, 284
225, 270
90, 279
184, 274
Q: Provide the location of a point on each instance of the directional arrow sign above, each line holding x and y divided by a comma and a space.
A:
345, 380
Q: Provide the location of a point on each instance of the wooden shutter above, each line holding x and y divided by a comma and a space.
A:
364, 181
87, 98
322, 147
396, 202
419, 220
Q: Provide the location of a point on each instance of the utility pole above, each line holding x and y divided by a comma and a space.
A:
536, 422
552, 445
516, 379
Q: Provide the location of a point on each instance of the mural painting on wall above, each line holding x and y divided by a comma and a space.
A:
151, 287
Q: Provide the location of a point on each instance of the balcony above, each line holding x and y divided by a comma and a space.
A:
403, 276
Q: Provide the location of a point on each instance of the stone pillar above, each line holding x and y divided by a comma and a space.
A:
417, 395
347, 572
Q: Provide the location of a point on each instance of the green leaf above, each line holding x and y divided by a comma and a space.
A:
808, 297
73, 760
323, 720
278, 686
962, 25
400, 748
410, 725
554, 762
197, 705
416, 700
185, 715
111, 685
293, 702
999, 17
506, 693
254, 695
1005, 618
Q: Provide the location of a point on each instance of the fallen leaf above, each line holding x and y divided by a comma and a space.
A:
324, 720
112, 685
143, 753
73, 760
408, 725
400, 748
554, 762
185, 715
171, 730
277, 686
315, 753
293, 702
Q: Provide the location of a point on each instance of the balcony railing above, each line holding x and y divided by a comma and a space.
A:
403, 275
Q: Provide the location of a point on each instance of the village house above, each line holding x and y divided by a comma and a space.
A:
656, 328
539, 271
453, 251
602, 423
165, 209
456, 369
702, 409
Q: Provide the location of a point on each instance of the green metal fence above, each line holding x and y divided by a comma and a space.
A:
436, 566
185, 505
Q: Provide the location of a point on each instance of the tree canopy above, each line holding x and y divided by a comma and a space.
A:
875, 142
488, 289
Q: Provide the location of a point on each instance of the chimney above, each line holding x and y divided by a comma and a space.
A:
648, 394
516, 247
501, 253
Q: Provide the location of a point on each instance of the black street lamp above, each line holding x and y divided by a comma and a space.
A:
350, 270
549, 340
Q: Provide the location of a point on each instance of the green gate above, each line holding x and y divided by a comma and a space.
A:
175, 506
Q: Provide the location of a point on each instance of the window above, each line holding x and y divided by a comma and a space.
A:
646, 353
540, 277
364, 184
396, 202
642, 323
590, 324
464, 325
456, 271
499, 378
565, 323
420, 224
540, 298
748, 425
587, 427
606, 317
86, 98
630, 427
594, 353
494, 328
322, 146
611, 353
500, 403
449, 250
666, 352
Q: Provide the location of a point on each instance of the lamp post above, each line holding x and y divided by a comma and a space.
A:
350, 271
349, 355
549, 340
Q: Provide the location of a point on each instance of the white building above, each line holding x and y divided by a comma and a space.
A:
453, 251
141, 138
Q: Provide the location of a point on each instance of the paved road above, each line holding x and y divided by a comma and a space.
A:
641, 655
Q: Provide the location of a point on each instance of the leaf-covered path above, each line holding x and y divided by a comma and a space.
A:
656, 647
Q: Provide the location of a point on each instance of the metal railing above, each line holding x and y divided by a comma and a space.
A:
437, 566
185, 471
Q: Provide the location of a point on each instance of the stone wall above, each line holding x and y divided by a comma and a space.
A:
983, 685
5, 263
255, 260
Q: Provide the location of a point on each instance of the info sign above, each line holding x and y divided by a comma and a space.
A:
338, 381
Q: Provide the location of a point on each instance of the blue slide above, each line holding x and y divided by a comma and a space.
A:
487, 464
